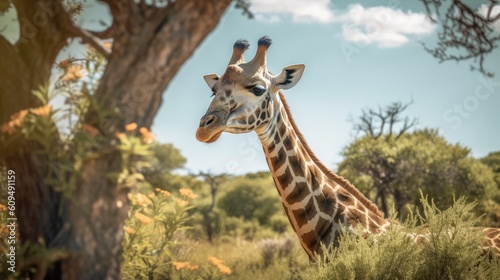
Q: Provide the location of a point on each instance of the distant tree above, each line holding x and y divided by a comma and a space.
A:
492, 208
390, 164
493, 161
250, 198
166, 158
394, 170
158, 170
386, 124
467, 30
214, 182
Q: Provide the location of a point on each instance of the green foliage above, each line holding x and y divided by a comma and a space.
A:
396, 168
493, 161
152, 239
272, 250
250, 199
166, 158
245, 207
247, 261
279, 223
451, 252
61, 137
155, 244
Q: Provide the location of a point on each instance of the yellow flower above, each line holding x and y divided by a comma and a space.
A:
142, 199
193, 267
143, 218
16, 120
42, 111
224, 269
130, 230
151, 195
180, 265
131, 126
147, 136
119, 134
188, 193
215, 261
163, 192
73, 73
3, 208
220, 265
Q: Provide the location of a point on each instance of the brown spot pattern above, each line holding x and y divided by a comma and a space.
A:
302, 216
300, 191
285, 179
279, 159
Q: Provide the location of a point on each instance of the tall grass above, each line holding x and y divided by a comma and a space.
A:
451, 250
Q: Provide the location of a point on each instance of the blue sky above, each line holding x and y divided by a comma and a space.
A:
357, 56
342, 77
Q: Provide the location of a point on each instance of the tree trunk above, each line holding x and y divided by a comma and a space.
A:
150, 45
382, 197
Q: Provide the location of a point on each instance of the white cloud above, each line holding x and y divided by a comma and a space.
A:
483, 10
299, 10
382, 26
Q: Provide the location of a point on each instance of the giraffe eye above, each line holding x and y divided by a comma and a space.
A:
214, 90
258, 90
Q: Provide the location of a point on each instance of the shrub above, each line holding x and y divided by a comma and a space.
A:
155, 246
272, 249
451, 253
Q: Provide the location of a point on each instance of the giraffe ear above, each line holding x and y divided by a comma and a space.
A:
211, 79
288, 77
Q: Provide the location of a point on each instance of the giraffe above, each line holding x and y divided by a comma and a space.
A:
318, 202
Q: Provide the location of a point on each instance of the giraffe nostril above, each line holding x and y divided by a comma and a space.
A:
208, 120
211, 120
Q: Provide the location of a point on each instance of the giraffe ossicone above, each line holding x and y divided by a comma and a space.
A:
318, 202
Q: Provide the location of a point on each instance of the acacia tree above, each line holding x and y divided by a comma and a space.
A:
390, 164
151, 40
388, 125
394, 171
214, 182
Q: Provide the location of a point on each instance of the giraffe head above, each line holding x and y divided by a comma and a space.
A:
244, 95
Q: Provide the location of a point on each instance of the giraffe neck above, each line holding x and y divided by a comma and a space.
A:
316, 201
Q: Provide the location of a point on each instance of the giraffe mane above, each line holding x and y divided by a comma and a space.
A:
329, 173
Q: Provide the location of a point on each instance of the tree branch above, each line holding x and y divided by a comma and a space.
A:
108, 33
86, 36
390, 116
466, 33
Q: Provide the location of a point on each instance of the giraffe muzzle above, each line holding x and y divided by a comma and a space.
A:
210, 128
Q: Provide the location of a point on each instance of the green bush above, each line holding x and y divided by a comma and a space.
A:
250, 200
280, 223
452, 251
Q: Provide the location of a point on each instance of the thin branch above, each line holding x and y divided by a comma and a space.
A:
465, 34
373, 123
75, 31
108, 33
90, 39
